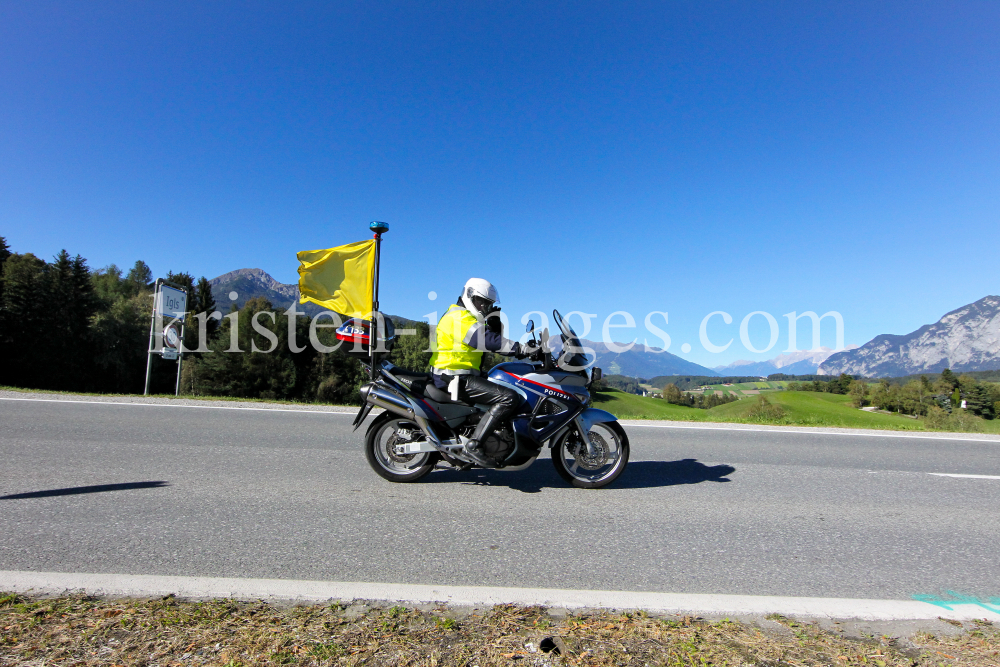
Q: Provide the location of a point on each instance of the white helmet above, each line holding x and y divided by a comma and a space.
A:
479, 296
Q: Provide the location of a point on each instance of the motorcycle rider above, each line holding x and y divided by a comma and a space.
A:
471, 326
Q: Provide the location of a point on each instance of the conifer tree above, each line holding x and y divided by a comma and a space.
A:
109, 285
139, 277
185, 280
949, 378
204, 302
4, 254
84, 301
67, 312
25, 294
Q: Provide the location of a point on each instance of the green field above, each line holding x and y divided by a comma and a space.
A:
802, 408
742, 386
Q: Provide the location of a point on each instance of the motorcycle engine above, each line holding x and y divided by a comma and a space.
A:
498, 444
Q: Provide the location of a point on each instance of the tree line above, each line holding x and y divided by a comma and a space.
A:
673, 394
63, 326
629, 385
922, 397
837, 385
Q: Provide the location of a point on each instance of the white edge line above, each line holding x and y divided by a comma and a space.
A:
953, 474
49, 583
176, 405
810, 432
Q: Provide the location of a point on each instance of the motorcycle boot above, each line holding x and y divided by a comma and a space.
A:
473, 448
502, 401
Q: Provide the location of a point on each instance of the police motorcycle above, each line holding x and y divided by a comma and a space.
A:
422, 426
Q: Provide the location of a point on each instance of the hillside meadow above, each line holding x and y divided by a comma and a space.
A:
800, 408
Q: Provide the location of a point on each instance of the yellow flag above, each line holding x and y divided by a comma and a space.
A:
339, 279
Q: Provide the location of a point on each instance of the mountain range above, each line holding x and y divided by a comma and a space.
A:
803, 362
966, 339
249, 284
640, 363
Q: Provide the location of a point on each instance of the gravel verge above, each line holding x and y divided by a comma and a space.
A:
84, 631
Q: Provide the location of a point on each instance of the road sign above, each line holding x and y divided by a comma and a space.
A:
171, 302
166, 327
171, 341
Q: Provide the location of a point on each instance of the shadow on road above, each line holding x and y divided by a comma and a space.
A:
648, 474
75, 490
638, 475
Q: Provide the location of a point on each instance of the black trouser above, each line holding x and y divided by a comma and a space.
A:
503, 401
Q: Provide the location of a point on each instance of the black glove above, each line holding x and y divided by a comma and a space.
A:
525, 350
493, 322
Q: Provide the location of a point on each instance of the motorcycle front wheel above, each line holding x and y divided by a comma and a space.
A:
594, 470
383, 435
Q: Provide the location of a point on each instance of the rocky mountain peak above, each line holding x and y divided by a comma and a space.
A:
258, 280
966, 339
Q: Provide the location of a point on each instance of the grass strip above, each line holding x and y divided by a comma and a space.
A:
83, 631
798, 408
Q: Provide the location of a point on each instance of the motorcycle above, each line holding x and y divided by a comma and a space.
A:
422, 426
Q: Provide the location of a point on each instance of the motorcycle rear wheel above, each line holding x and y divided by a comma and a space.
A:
380, 440
584, 471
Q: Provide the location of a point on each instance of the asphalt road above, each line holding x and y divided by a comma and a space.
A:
238, 493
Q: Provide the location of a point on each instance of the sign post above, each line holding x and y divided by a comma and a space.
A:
167, 340
379, 228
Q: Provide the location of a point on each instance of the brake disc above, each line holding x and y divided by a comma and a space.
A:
399, 437
599, 458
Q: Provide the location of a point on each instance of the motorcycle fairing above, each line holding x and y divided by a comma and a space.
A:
558, 377
532, 388
451, 414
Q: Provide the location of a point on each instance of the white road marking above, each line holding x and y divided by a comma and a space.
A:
952, 474
780, 429
255, 589
175, 405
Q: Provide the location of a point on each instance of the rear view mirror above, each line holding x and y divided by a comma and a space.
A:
531, 326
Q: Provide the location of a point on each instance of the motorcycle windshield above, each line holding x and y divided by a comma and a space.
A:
563, 324
568, 351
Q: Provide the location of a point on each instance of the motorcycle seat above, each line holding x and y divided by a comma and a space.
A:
404, 374
421, 384
432, 392
412, 380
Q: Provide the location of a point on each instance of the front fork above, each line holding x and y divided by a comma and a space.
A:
584, 435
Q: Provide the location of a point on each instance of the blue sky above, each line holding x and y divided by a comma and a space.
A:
685, 157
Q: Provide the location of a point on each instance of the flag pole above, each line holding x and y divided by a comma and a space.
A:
379, 228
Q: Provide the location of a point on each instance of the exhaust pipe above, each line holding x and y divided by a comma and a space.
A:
388, 401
